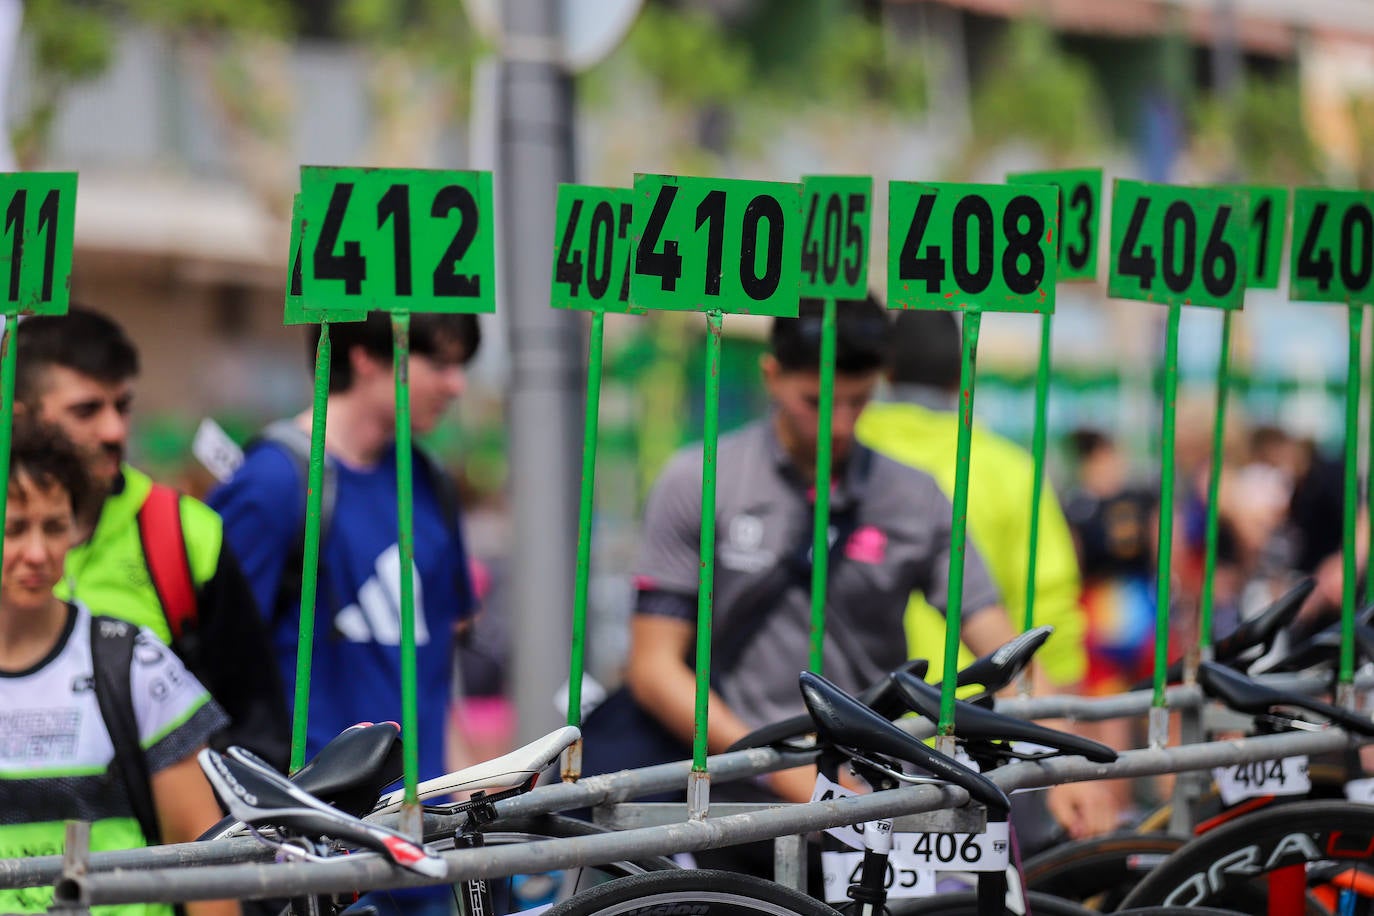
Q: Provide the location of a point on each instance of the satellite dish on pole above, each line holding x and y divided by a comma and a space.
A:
591, 28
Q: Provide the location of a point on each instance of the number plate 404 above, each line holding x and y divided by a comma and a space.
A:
1240, 781
967, 246
397, 239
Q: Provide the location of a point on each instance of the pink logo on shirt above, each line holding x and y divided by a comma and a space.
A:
866, 545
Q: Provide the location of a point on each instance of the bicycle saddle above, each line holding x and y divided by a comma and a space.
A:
257, 794
881, 697
850, 726
352, 769
1000, 667
974, 723
1320, 648
1245, 695
521, 767
1260, 629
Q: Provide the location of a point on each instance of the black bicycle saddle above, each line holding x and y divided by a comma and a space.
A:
881, 697
1000, 667
974, 723
351, 771
850, 726
1245, 695
1260, 629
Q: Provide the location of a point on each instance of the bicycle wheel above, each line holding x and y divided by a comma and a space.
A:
965, 903
1101, 871
692, 892
1177, 911
1266, 855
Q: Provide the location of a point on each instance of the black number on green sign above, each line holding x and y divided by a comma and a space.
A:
569, 268
977, 280
1357, 215
712, 210
1317, 268
1128, 263
14, 224
395, 206
667, 264
600, 245
446, 281
910, 266
1260, 218
351, 266
824, 254
1179, 215
1023, 243
1020, 243
1178, 261
1078, 255
761, 286
1218, 254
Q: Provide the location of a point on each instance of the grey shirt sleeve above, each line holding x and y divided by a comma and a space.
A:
979, 591
669, 556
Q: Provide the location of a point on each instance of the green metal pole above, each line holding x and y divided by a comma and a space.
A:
310, 562
820, 546
1159, 713
1369, 566
1042, 397
1214, 488
8, 360
699, 785
1352, 497
405, 542
572, 762
973, 320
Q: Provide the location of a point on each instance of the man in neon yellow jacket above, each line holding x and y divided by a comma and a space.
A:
919, 426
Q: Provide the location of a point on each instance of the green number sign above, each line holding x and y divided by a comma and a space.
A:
1180, 245
397, 239
1080, 214
1268, 220
297, 312
591, 262
835, 236
1333, 246
703, 244
36, 253
954, 246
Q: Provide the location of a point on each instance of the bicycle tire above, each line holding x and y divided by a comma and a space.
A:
965, 903
1177, 911
1225, 867
691, 892
1098, 872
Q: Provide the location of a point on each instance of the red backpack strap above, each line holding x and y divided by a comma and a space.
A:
164, 550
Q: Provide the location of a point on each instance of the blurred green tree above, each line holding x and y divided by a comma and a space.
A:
1258, 136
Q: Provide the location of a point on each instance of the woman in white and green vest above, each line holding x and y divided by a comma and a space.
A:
98, 720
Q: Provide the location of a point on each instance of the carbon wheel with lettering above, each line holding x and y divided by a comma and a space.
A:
690, 892
1300, 858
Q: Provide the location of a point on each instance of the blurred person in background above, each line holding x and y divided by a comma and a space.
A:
918, 425
144, 552
101, 722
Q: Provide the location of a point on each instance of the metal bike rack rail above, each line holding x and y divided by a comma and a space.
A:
359, 872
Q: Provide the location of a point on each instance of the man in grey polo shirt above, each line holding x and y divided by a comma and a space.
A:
897, 540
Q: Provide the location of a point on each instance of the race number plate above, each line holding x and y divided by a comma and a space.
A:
1332, 252
296, 311
957, 246
1177, 245
1262, 777
1268, 223
706, 244
398, 239
836, 223
592, 248
36, 250
987, 851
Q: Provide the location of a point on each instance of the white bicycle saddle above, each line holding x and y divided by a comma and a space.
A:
519, 766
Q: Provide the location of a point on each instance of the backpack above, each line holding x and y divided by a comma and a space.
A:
112, 653
295, 442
